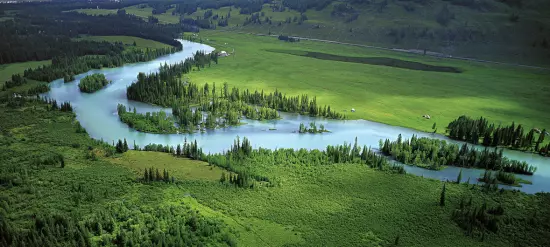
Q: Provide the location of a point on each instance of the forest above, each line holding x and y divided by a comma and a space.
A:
479, 131
434, 154
92, 83
44, 33
67, 67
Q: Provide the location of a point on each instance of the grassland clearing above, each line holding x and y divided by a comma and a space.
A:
136, 10
127, 40
7, 70
384, 94
179, 168
144, 13
96, 11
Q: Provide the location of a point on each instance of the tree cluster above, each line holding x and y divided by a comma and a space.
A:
92, 83
499, 177
16, 80
122, 146
312, 128
434, 154
471, 130
150, 176
156, 122
478, 220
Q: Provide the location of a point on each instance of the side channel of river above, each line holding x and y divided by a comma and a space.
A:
97, 113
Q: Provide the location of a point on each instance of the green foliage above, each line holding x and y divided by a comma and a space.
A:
478, 220
156, 122
471, 130
442, 196
92, 83
68, 65
90, 202
435, 154
312, 128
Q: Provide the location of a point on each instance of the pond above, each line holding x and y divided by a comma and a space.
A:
97, 113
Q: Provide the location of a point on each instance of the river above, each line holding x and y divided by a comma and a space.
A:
97, 113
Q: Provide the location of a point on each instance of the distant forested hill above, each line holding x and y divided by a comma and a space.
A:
515, 31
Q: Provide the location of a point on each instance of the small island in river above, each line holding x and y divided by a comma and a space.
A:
92, 83
312, 129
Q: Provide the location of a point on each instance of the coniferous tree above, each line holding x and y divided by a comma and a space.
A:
540, 140
459, 178
442, 198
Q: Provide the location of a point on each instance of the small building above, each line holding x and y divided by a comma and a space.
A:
426, 116
352, 109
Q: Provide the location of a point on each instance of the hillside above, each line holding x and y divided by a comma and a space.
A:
514, 31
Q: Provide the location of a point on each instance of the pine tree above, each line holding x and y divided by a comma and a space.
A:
442, 198
222, 179
540, 140
459, 178
125, 145
119, 147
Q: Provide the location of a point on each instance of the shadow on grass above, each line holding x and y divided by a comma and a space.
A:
381, 61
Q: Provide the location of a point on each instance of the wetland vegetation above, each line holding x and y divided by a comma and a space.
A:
60, 187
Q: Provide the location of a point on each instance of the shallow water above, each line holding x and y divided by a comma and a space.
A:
97, 113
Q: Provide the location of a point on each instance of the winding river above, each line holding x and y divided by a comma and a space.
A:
97, 113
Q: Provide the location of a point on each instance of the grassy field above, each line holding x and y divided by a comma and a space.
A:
7, 70
179, 168
96, 11
146, 12
385, 94
135, 10
128, 40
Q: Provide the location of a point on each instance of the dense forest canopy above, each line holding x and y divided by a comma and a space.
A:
43, 33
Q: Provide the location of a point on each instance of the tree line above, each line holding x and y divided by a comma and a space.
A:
434, 154
63, 67
241, 158
92, 83
471, 130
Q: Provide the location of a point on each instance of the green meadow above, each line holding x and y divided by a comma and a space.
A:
135, 10
7, 70
396, 96
128, 40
